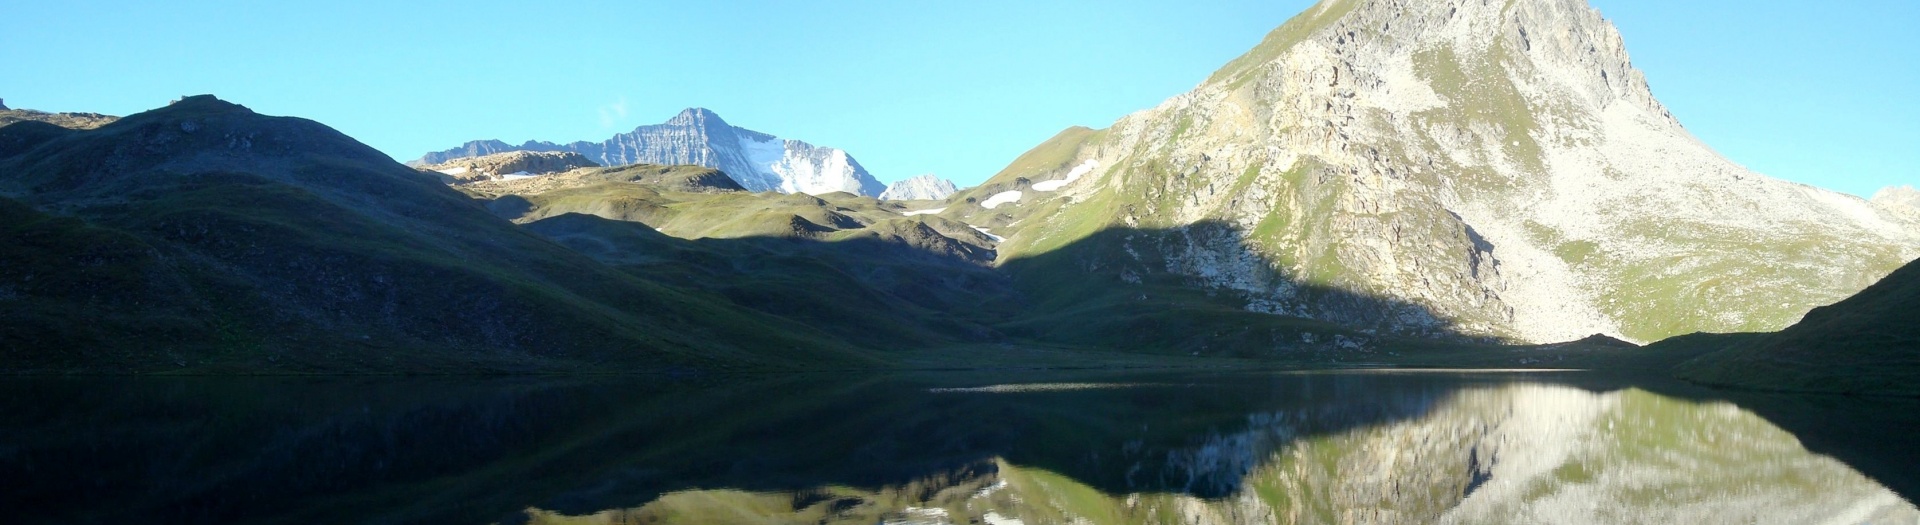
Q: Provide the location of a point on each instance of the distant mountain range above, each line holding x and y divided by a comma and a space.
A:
758, 161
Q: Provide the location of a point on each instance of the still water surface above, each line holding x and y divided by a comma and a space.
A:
1185, 447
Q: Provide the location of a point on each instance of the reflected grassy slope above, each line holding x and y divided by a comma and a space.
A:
1100, 445
1514, 454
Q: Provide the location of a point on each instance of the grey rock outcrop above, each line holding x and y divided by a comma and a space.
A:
919, 187
1902, 200
758, 161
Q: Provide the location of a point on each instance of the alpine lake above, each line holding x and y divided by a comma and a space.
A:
995, 447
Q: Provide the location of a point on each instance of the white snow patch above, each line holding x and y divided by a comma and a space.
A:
983, 231
923, 212
921, 516
518, 175
1033, 387
997, 199
453, 171
990, 489
994, 518
1072, 175
764, 158
791, 166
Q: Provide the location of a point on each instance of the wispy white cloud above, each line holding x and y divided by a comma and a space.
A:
611, 114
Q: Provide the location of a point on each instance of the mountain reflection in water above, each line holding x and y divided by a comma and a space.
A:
938, 448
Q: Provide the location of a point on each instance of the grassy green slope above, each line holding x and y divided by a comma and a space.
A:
844, 264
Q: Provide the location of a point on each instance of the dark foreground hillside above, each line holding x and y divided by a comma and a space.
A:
204, 237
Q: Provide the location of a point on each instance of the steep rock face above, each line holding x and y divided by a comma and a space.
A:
919, 187
1485, 168
510, 164
758, 161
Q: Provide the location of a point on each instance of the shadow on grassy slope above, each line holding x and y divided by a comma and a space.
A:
1868, 344
1117, 288
1101, 292
874, 291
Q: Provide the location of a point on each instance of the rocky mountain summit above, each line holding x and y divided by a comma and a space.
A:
510, 164
1903, 200
1492, 169
758, 161
919, 187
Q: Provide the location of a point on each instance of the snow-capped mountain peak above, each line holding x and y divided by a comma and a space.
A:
919, 187
758, 161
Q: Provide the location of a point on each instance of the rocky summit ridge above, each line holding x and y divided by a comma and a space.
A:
919, 187
1487, 168
508, 164
1901, 200
63, 119
758, 161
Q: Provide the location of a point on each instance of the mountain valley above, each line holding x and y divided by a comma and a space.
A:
1402, 262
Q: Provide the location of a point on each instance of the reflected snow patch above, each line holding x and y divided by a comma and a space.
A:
1034, 387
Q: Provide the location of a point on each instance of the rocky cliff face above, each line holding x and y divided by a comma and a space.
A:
919, 187
758, 161
1486, 168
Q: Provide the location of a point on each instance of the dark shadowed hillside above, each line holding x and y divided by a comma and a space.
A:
204, 237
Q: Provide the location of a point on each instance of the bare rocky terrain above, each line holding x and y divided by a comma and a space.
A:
498, 166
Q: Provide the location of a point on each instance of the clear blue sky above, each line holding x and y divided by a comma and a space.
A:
1820, 93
